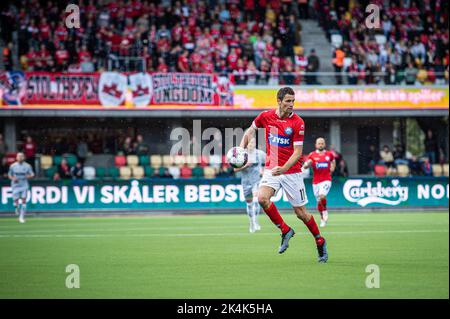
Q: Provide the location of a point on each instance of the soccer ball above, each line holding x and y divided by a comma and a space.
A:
237, 157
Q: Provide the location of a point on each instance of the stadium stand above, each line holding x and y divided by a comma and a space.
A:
263, 39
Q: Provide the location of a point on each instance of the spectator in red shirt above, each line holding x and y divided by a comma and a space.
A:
162, 66
232, 59
31, 59
196, 61
84, 55
183, 62
61, 33
61, 57
44, 31
42, 58
207, 66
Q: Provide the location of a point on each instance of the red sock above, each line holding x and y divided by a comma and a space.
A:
320, 207
276, 218
312, 226
324, 203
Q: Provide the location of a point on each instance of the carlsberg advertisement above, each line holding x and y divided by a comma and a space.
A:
183, 195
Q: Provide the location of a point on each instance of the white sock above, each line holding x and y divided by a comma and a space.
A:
250, 210
23, 210
256, 206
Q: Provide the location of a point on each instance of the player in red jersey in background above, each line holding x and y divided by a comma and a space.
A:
323, 164
284, 133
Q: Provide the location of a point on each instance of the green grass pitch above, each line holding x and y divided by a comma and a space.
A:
214, 256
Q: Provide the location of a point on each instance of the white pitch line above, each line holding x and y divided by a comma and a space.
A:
212, 234
146, 228
21, 231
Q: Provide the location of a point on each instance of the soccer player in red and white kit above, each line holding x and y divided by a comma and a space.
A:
323, 164
284, 134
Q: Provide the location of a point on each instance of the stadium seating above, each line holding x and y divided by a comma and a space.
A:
137, 172
46, 161
100, 172
204, 161
161, 171
174, 171
144, 160
156, 161
209, 172
125, 172
179, 160
71, 159
149, 171
215, 160
437, 169
114, 172
120, 161
167, 160
89, 172
445, 169
402, 170
132, 160
391, 171
380, 170
57, 160
185, 172
197, 172
49, 172
192, 160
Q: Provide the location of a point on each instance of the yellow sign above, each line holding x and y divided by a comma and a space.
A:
394, 98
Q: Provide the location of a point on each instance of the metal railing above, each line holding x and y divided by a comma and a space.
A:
126, 64
337, 78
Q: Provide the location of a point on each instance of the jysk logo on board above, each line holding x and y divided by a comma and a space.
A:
279, 140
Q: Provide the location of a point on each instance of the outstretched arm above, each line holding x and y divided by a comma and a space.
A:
248, 135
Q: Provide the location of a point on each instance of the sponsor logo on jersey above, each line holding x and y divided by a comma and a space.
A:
354, 191
322, 165
279, 140
288, 130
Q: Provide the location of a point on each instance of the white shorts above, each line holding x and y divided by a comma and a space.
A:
250, 189
292, 185
19, 193
321, 189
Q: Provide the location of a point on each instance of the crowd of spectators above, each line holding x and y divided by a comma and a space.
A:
255, 41
416, 37
186, 36
417, 165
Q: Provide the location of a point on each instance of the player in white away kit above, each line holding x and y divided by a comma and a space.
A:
19, 173
251, 175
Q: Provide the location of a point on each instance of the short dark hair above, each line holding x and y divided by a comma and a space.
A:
283, 92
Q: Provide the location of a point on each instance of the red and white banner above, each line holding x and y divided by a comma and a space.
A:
116, 90
61, 88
